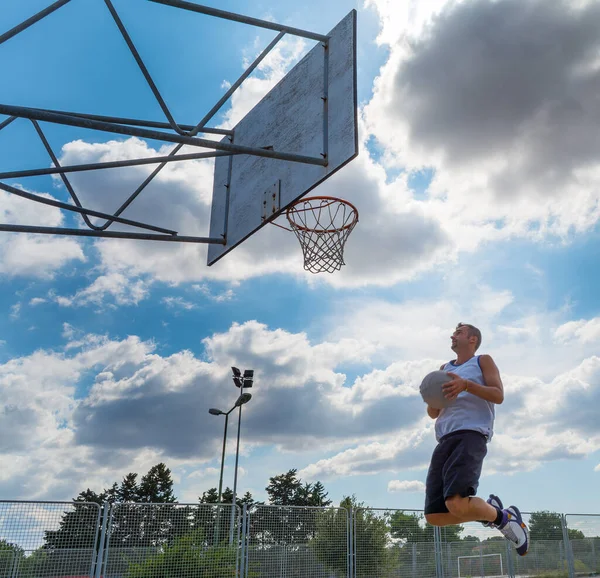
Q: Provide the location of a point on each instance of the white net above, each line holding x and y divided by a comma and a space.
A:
322, 225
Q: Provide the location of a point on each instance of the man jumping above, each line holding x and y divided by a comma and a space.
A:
463, 430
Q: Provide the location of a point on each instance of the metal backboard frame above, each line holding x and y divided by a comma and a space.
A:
236, 152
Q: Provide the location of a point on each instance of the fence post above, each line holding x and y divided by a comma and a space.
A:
242, 550
437, 545
568, 549
350, 538
510, 567
102, 542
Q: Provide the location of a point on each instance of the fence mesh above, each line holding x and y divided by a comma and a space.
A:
39, 539
63, 540
584, 538
295, 542
547, 554
391, 543
472, 549
174, 540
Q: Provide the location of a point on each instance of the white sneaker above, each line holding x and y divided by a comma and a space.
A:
515, 530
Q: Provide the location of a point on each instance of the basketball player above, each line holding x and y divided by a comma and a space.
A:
463, 430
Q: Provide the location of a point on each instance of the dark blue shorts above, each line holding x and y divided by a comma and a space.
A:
455, 469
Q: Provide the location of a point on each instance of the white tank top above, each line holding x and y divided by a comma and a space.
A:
468, 411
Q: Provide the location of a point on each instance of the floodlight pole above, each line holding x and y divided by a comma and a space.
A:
235, 476
223, 457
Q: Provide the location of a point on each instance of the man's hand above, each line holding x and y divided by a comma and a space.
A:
454, 387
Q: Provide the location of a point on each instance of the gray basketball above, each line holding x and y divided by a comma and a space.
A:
431, 389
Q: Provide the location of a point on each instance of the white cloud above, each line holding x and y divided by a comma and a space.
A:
406, 486
37, 301
583, 331
301, 402
123, 290
508, 125
178, 303
28, 255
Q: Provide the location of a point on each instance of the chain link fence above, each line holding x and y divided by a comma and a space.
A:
472, 549
48, 539
78, 540
295, 542
389, 543
584, 541
172, 541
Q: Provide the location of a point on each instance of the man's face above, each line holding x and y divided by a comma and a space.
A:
460, 338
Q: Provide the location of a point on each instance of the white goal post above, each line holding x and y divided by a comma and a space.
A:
479, 566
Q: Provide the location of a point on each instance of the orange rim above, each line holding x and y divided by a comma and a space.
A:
294, 209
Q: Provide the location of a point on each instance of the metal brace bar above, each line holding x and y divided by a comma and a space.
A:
27, 23
239, 81
326, 100
144, 70
63, 177
137, 122
41, 115
81, 210
7, 122
109, 234
110, 165
241, 18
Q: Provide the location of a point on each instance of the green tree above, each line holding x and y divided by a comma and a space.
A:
10, 554
288, 524
545, 525
188, 556
374, 557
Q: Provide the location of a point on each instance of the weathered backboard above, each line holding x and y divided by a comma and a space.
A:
312, 112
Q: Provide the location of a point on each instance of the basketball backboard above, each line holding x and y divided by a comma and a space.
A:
298, 135
311, 112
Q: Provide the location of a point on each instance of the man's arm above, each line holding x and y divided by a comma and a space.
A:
493, 390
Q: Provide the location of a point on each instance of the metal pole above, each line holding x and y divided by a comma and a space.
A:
139, 122
241, 18
237, 454
223, 458
81, 210
102, 544
42, 115
109, 234
110, 165
242, 551
568, 549
27, 23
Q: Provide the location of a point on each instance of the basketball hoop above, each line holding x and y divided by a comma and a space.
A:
322, 225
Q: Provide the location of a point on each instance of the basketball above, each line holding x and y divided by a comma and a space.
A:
431, 389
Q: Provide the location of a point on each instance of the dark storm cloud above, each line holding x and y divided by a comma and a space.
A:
516, 79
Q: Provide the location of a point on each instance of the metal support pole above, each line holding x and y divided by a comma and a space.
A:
241, 18
110, 165
81, 210
325, 152
30, 21
42, 115
237, 454
437, 544
568, 549
223, 458
242, 550
510, 566
350, 542
138, 122
108, 234
102, 544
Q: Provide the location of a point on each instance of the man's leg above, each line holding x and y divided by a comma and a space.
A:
461, 510
471, 509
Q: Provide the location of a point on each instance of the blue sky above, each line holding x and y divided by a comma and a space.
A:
477, 184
